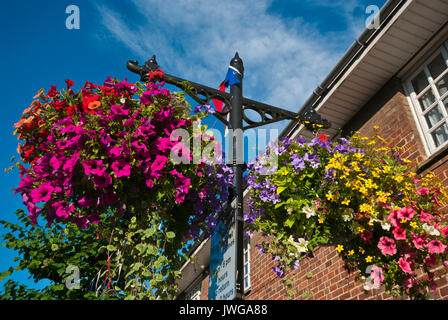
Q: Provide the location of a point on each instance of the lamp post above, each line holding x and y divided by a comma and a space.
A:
236, 105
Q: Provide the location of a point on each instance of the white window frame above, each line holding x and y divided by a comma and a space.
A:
195, 292
424, 129
246, 263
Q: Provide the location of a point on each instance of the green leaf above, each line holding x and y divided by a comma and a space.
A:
170, 235
111, 248
280, 189
289, 222
280, 204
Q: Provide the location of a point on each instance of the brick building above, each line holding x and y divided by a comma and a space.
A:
395, 76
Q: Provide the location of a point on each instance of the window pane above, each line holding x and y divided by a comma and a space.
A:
437, 66
445, 102
427, 100
434, 116
420, 82
440, 135
442, 85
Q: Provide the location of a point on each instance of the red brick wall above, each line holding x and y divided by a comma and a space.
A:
324, 277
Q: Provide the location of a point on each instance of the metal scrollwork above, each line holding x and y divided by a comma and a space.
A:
204, 95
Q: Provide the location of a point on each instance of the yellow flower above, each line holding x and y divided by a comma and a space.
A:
320, 220
365, 208
398, 178
351, 252
339, 248
346, 201
369, 259
386, 169
413, 224
403, 221
361, 229
363, 190
330, 196
361, 250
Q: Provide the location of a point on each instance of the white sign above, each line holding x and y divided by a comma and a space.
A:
222, 263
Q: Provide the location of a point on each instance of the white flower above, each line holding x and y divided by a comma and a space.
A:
122, 100
385, 225
347, 217
430, 230
309, 211
301, 245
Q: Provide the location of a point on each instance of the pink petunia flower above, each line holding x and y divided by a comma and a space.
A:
423, 191
399, 234
377, 275
430, 260
435, 246
418, 240
425, 217
387, 246
393, 218
55, 162
63, 209
121, 168
406, 213
405, 265
42, 193
119, 110
444, 231
102, 181
408, 283
94, 167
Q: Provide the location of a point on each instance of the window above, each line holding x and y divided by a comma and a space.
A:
195, 292
428, 88
246, 252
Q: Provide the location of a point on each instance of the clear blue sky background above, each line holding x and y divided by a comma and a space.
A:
287, 46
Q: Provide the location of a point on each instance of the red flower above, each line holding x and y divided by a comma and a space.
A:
155, 73
323, 137
69, 83
59, 105
52, 92
90, 103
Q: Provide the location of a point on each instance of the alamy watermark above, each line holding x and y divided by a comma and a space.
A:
73, 21
72, 281
373, 20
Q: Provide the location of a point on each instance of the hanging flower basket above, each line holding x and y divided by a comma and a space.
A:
363, 199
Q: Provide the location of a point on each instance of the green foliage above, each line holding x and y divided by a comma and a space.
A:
46, 252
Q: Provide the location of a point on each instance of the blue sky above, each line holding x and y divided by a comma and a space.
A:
287, 47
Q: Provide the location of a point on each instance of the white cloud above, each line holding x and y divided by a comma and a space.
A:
284, 62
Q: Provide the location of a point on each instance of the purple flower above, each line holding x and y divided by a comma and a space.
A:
55, 162
42, 193
94, 167
118, 110
121, 168
102, 181
297, 162
108, 83
71, 162
87, 201
278, 271
63, 209
207, 108
157, 166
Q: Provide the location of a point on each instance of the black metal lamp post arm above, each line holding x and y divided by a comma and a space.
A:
204, 95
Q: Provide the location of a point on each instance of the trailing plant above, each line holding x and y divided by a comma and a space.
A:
363, 199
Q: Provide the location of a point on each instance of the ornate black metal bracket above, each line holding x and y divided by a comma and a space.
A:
204, 95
